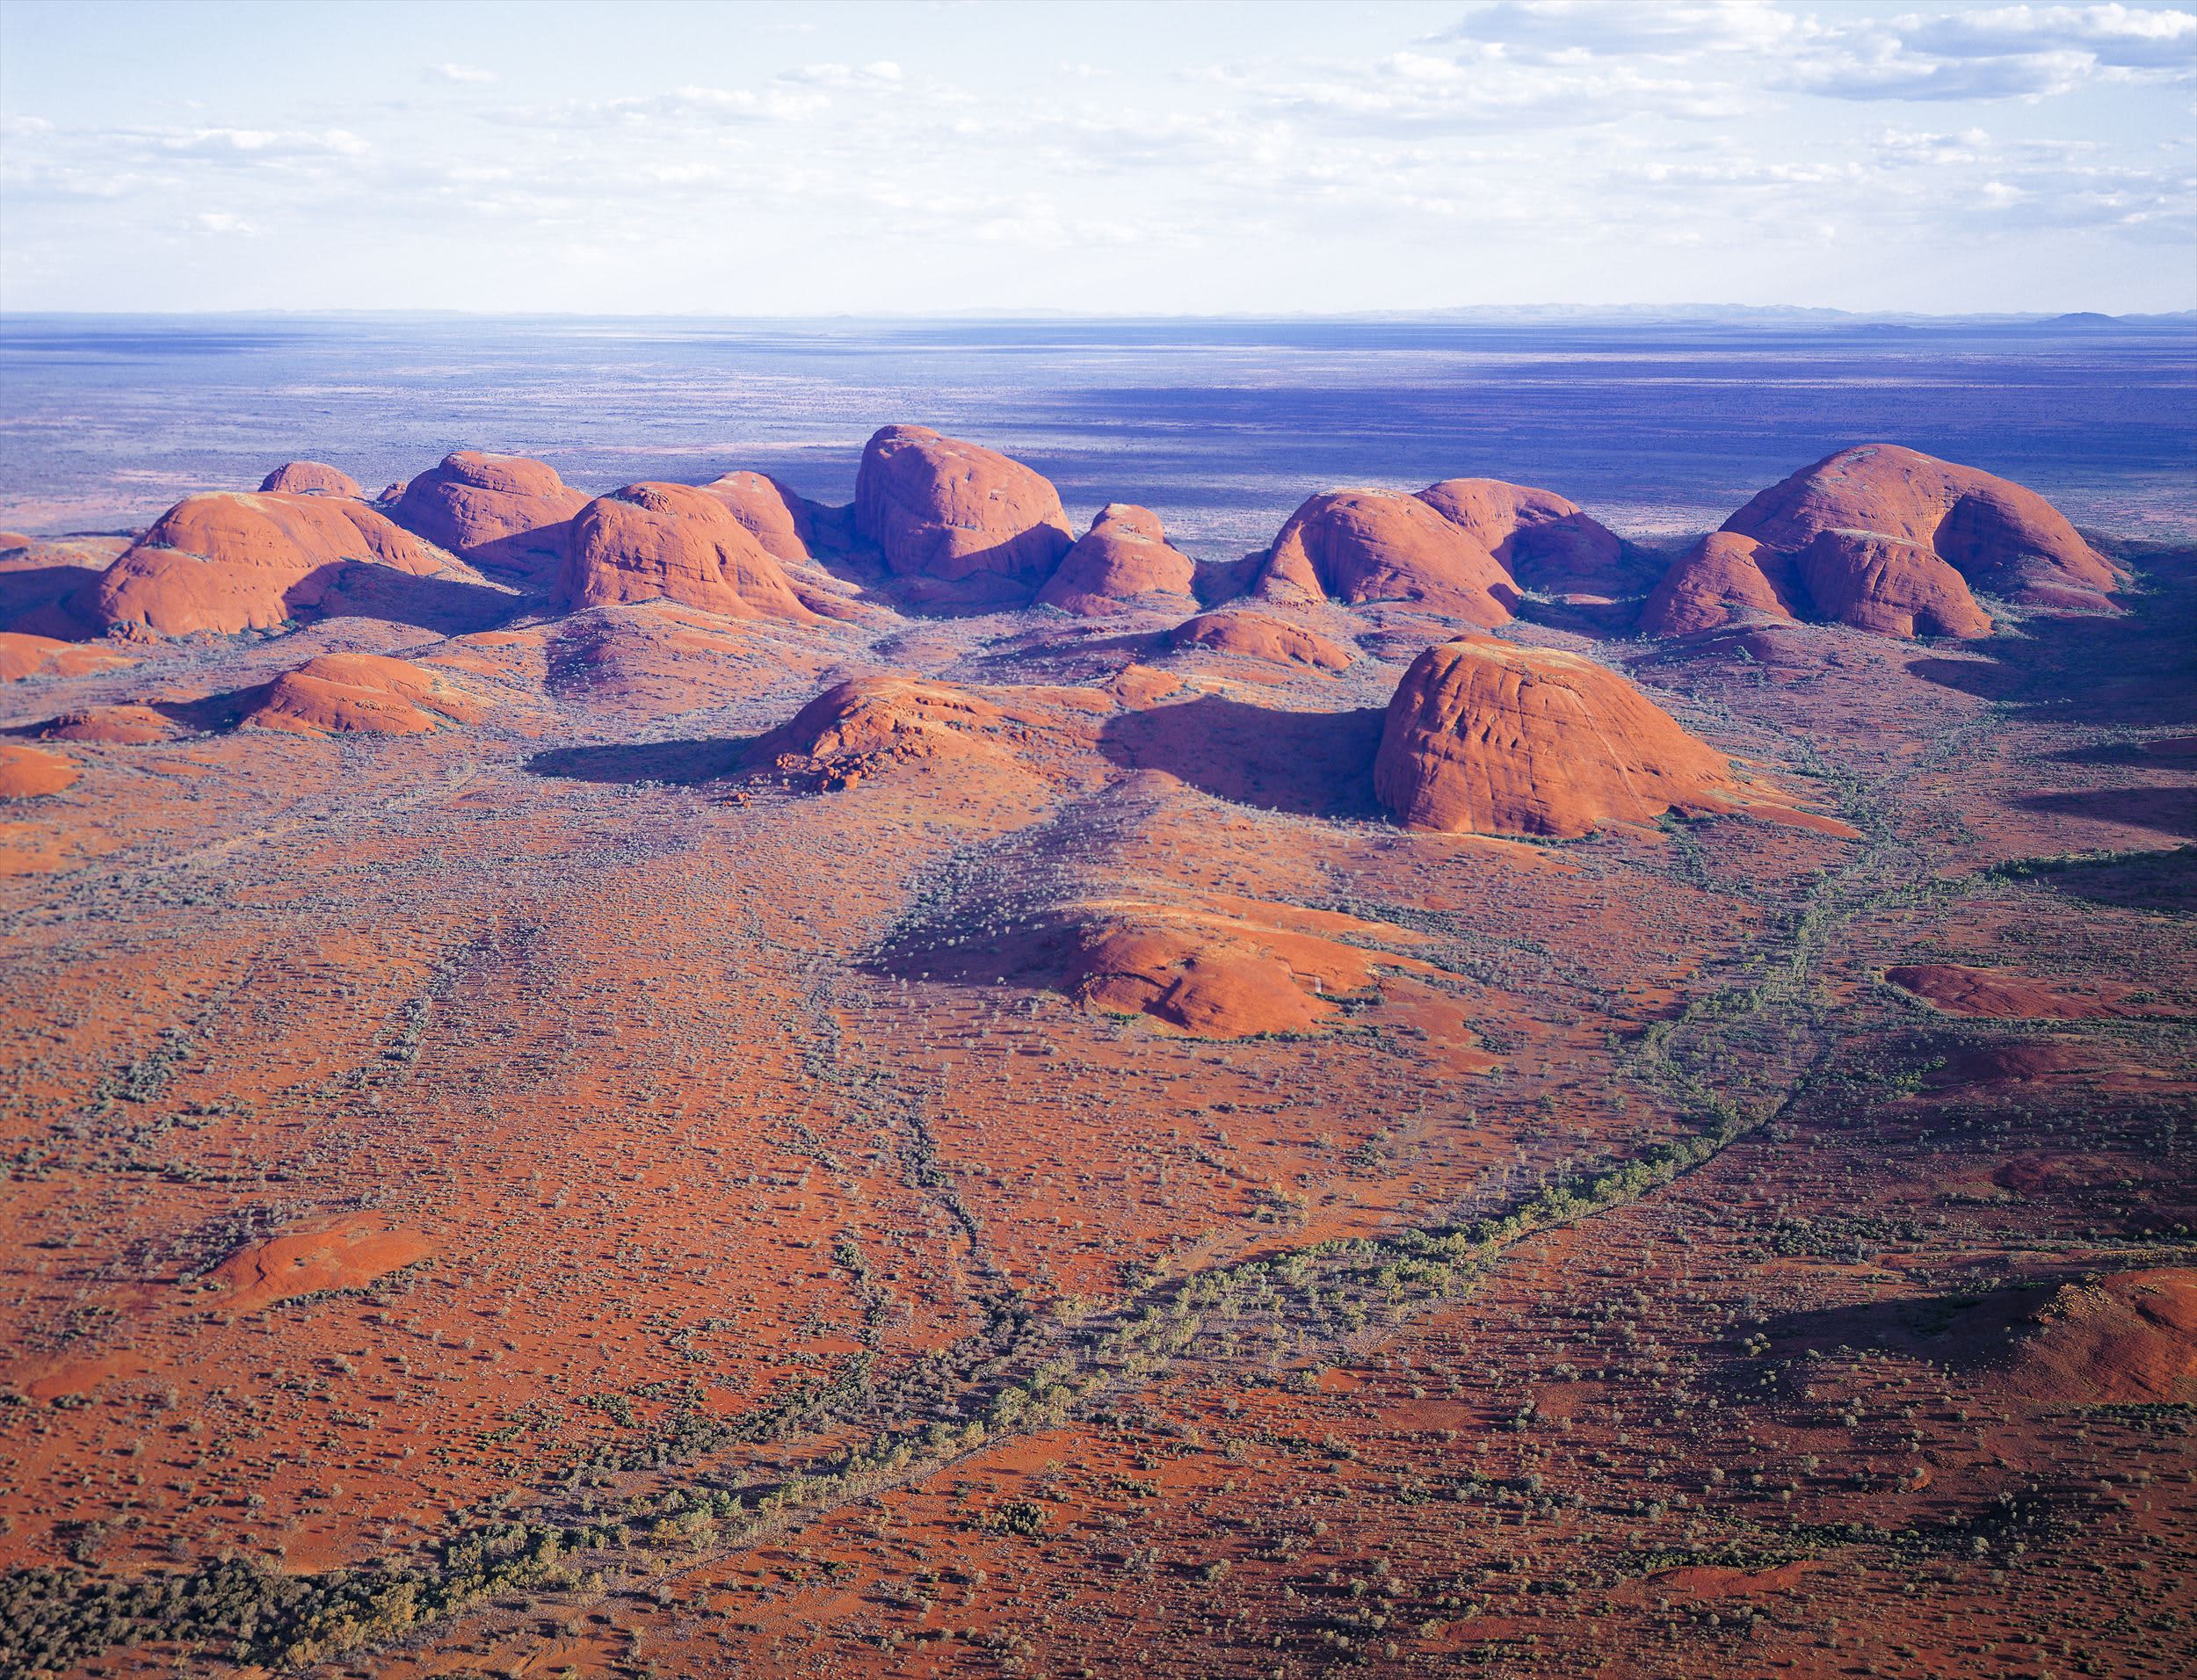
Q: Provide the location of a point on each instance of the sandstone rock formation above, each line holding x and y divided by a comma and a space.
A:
26, 655
1886, 540
1544, 541
963, 525
362, 694
309, 478
1257, 635
2125, 1338
781, 521
1360, 545
230, 562
1487, 737
673, 542
1123, 554
504, 511
112, 726
25, 773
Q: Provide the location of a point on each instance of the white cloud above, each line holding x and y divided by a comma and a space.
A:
221, 221
461, 73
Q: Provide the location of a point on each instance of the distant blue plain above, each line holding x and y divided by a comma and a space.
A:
1220, 426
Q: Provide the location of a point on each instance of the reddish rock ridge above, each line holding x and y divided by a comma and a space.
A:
1543, 540
964, 525
1361, 546
1886, 540
309, 478
1255, 635
673, 542
230, 562
504, 511
361, 694
28, 773
782, 521
27, 655
1487, 737
1123, 555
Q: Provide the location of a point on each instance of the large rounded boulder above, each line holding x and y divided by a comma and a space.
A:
1123, 556
1886, 540
362, 694
1542, 540
778, 518
229, 561
962, 525
673, 542
1358, 546
309, 478
506, 512
1487, 737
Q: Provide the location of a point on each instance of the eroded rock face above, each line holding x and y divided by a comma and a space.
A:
965, 526
504, 511
1487, 737
1123, 554
1543, 540
673, 542
1361, 546
230, 562
309, 478
362, 694
1257, 635
779, 520
1887, 539
27, 655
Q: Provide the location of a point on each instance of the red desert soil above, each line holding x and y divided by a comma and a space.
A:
1887, 539
1487, 737
229, 562
962, 524
1959, 990
504, 511
1360, 545
309, 478
362, 694
673, 542
971, 1142
28, 772
1124, 555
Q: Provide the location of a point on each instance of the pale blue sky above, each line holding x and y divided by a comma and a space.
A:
1130, 159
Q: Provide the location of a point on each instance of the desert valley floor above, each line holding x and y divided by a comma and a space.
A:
894, 1128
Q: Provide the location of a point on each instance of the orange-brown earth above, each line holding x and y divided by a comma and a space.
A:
639, 1139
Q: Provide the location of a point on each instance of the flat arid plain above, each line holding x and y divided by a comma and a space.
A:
919, 1050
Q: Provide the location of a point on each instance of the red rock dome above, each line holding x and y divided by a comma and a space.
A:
1360, 545
965, 526
775, 517
27, 773
362, 694
1123, 555
1543, 540
309, 478
504, 511
1487, 737
1256, 636
230, 562
673, 542
1887, 539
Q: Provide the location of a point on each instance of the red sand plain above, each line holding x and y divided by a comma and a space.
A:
633, 1140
